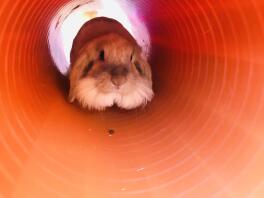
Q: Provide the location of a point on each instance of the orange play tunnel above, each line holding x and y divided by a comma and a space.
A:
201, 136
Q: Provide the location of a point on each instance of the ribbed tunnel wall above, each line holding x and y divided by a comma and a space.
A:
202, 136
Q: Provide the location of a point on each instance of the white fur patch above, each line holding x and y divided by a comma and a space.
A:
129, 96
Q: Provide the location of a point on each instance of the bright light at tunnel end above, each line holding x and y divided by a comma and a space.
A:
70, 18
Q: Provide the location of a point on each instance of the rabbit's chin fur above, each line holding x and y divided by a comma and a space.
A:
96, 96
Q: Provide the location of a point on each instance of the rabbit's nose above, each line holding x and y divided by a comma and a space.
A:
118, 75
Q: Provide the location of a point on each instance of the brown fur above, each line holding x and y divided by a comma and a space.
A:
121, 55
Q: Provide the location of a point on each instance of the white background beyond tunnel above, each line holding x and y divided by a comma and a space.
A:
68, 21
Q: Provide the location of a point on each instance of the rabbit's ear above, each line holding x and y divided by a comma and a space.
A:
141, 63
71, 97
74, 75
134, 54
73, 80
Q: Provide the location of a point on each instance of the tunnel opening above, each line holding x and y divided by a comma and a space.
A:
69, 19
72, 16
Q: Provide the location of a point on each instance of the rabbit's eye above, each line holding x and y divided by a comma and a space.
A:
102, 55
138, 67
87, 68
